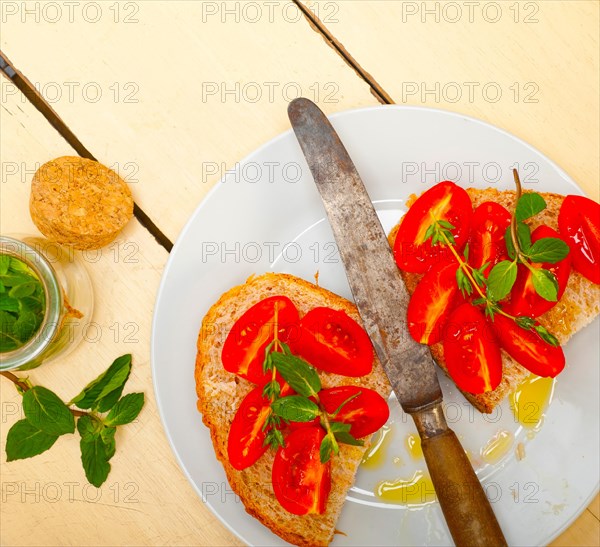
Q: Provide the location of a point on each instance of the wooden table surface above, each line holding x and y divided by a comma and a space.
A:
171, 95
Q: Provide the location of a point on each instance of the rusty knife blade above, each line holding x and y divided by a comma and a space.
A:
379, 291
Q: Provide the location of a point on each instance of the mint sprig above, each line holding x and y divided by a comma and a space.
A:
47, 418
501, 279
22, 303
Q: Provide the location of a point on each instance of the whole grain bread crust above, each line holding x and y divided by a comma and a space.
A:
220, 394
579, 305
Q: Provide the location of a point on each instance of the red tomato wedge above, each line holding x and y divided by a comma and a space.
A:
300, 481
579, 224
472, 355
366, 413
528, 348
524, 299
244, 349
445, 201
486, 243
332, 341
432, 302
246, 435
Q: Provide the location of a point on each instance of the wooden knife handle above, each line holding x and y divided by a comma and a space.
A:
467, 510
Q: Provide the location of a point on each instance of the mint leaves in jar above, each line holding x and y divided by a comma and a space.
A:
22, 303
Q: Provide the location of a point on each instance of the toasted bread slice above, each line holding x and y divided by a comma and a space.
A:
577, 308
220, 394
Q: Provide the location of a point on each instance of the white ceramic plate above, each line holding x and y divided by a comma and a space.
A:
266, 215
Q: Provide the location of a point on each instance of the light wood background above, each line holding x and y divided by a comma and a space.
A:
172, 94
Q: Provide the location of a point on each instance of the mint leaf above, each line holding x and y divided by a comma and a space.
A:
347, 438
94, 458
328, 446
24, 289
108, 438
523, 235
546, 336
88, 428
301, 376
126, 409
4, 264
25, 326
25, 440
339, 427
446, 224
529, 205
525, 322
429, 232
295, 408
8, 304
501, 280
548, 249
103, 387
47, 412
545, 284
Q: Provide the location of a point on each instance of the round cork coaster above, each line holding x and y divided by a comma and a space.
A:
79, 202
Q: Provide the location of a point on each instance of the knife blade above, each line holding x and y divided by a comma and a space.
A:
382, 300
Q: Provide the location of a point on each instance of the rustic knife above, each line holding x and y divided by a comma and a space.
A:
382, 300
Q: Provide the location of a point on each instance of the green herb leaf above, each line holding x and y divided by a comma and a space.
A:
94, 458
4, 264
529, 205
44, 410
301, 376
463, 282
429, 232
25, 326
523, 235
466, 252
347, 438
107, 434
126, 410
88, 427
109, 385
24, 289
339, 427
328, 446
295, 408
525, 322
25, 440
548, 249
501, 280
8, 304
545, 284
446, 224
479, 276
546, 335
274, 438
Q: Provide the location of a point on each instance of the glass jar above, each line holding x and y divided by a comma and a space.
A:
69, 300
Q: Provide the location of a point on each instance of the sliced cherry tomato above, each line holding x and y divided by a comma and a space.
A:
445, 201
579, 224
244, 349
332, 341
300, 481
524, 299
528, 348
366, 413
486, 243
246, 435
472, 355
432, 302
